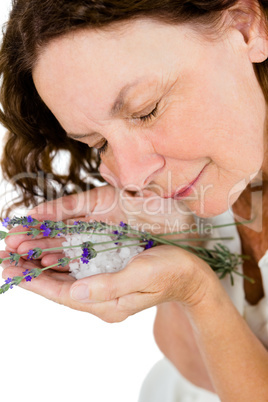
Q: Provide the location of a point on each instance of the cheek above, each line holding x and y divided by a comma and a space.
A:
232, 141
211, 126
175, 138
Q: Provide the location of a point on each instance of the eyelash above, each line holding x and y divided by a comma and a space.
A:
102, 149
150, 115
143, 119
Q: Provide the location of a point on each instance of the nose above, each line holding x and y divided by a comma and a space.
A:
131, 166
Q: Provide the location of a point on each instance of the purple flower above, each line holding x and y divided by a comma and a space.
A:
26, 272
88, 252
9, 280
76, 223
85, 252
85, 256
46, 230
118, 233
29, 219
84, 260
122, 224
30, 255
28, 278
149, 244
5, 222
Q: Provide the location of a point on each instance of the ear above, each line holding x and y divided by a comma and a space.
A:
247, 17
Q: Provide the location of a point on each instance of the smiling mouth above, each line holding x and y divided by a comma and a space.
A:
148, 192
185, 190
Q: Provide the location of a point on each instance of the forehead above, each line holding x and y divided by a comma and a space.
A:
88, 68
104, 54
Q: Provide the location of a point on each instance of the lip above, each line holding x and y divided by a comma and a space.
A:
185, 191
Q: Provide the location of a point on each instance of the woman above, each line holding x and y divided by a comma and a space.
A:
173, 94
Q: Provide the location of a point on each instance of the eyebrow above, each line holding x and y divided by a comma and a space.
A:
118, 105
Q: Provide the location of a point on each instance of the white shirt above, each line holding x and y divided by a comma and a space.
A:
164, 383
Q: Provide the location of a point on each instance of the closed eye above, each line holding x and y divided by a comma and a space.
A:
103, 148
145, 118
149, 116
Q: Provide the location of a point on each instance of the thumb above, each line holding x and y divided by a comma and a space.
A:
110, 286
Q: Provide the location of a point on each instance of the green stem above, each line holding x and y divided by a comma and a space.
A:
213, 226
94, 244
163, 241
17, 233
204, 239
58, 263
185, 247
100, 251
115, 248
8, 258
245, 276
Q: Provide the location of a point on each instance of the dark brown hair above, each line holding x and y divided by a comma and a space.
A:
34, 137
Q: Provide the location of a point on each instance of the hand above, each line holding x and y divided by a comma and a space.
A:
158, 275
97, 204
151, 213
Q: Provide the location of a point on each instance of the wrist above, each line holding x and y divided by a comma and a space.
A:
197, 284
209, 303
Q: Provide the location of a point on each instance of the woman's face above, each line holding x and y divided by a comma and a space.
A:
207, 109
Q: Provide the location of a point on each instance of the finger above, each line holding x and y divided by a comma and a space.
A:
70, 206
110, 219
23, 263
51, 285
13, 240
77, 219
11, 271
46, 243
56, 287
4, 254
52, 259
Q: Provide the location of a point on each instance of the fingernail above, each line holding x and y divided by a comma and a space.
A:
80, 293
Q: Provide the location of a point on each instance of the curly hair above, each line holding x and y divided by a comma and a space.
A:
34, 136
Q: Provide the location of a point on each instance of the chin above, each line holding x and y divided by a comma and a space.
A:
210, 208
217, 202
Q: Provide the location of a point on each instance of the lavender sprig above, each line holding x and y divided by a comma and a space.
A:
28, 275
220, 259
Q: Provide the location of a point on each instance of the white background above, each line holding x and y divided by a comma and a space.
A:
52, 353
